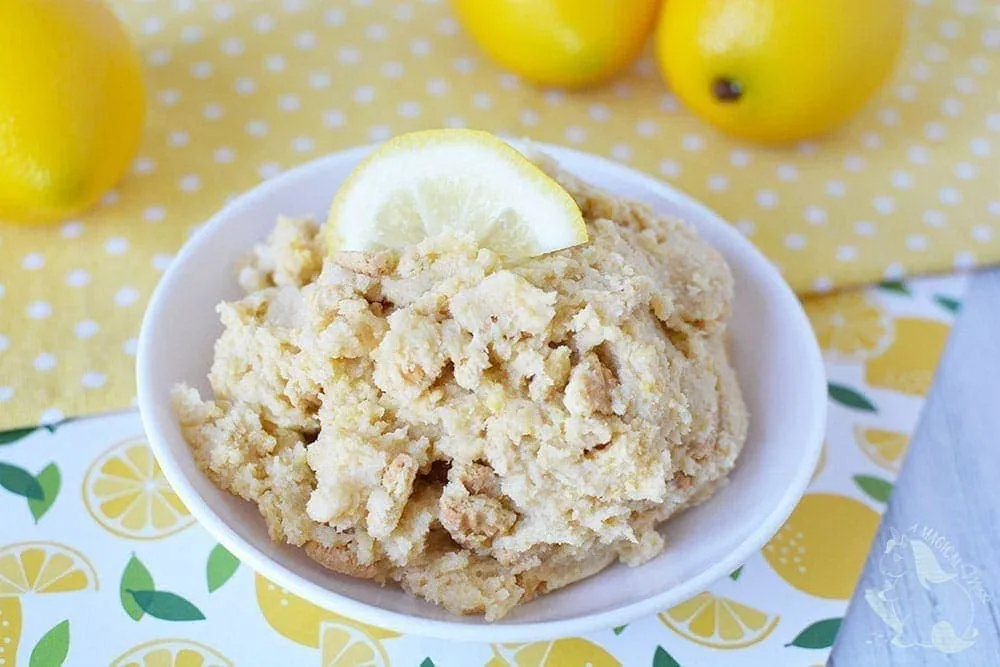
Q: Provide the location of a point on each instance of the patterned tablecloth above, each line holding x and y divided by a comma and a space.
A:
242, 89
98, 557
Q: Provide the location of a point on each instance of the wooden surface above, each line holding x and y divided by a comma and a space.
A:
928, 595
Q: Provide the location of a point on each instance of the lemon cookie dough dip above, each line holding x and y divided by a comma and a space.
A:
480, 425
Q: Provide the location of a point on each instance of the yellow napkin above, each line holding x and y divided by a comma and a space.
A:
240, 90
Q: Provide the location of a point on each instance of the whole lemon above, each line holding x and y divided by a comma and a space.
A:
72, 103
778, 70
568, 43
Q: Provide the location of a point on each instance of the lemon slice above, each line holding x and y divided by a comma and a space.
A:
718, 622
343, 645
567, 652
885, 448
44, 567
172, 653
464, 182
126, 493
10, 629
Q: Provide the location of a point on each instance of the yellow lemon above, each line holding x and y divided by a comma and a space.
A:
884, 448
44, 567
778, 70
822, 547
848, 326
718, 622
72, 103
10, 629
172, 653
570, 652
126, 493
570, 43
907, 366
302, 621
343, 645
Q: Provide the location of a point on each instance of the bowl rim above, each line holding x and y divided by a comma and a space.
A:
453, 630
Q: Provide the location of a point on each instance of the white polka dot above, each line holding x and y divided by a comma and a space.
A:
935, 53
178, 139
952, 107
871, 140
883, 204
902, 180
622, 90
836, 188
257, 128
212, 111
303, 144
364, 94
379, 132
906, 92
306, 40
991, 38
935, 131
293, 6
994, 208
151, 25
864, 228
646, 128
110, 197
45, 362
598, 112
93, 380
6, 393
446, 27
949, 196
376, 32
621, 152
39, 310
993, 122
692, 142
333, 118
269, 170
916, 242
169, 97
815, 215
766, 198
158, 57
934, 218
949, 29
529, 117
920, 71
846, 253
668, 103
392, 69
739, 158
746, 227
482, 101
33, 261
85, 329
192, 34
787, 172
455, 121
822, 284
161, 261
143, 165
183, 6
964, 260
51, 416
4, 342
918, 154
718, 183
334, 17
189, 183
966, 171
982, 233
320, 80
855, 163
154, 213
222, 11
263, 24
348, 55
888, 117
130, 346
806, 148
420, 47
553, 97
224, 155
274, 62
126, 296
437, 87
77, 278
3, 291
201, 69
116, 245
980, 146
408, 109
576, 134
669, 168
893, 272
289, 102
71, 230
795, 241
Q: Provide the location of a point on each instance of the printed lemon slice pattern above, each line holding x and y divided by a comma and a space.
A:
823, 546
718, 622
569, 652
908, 365
884, 448
343, 645
126, 493
848, 326
172, 653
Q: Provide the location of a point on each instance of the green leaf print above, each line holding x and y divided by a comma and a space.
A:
663, 659
620, 629
948, 303
10, 437
20, 481
166, 606
897, 286
850, 398
221, 566
52, 649
50, 480
818, 635
735, 574
427, 663
876, 487
135, 577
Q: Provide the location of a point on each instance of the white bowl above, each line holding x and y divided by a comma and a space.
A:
776, 357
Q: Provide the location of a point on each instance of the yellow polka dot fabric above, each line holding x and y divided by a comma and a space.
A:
243, 89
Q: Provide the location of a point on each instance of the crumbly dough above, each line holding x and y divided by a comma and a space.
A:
480, 433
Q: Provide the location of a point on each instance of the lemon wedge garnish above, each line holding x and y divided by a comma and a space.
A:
463, 182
